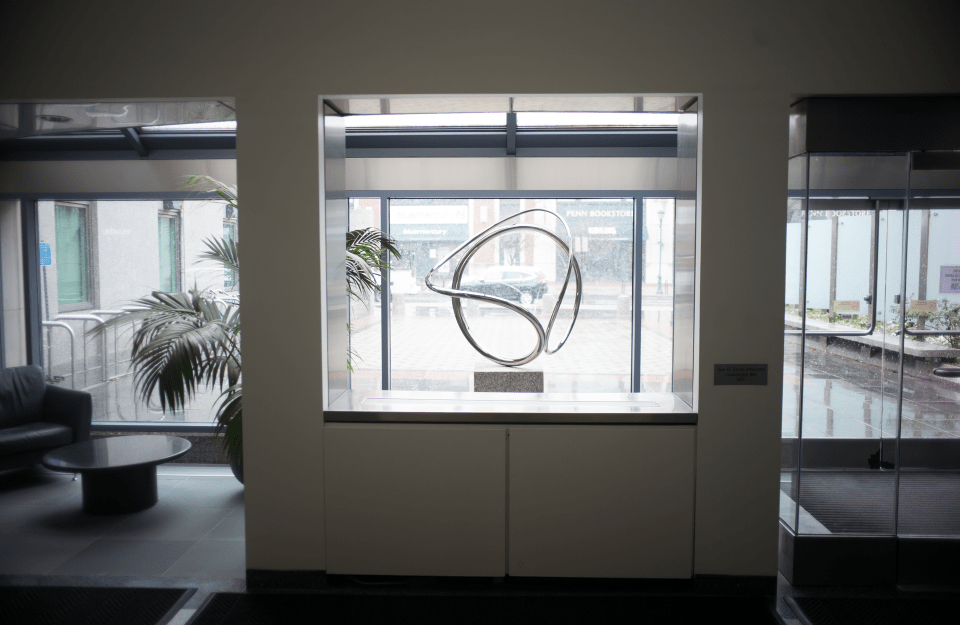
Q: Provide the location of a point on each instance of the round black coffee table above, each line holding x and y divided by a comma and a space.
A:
119, 473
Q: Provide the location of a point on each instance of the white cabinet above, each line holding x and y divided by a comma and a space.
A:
601, 501
569, 501
415, 500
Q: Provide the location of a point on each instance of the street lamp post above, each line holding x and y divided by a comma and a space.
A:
660, 214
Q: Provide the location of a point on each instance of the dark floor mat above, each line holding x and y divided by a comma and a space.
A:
356, 609
55, 605
876, 611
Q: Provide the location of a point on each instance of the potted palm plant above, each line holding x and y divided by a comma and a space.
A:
185, 342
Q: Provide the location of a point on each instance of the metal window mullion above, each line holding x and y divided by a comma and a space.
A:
900, 357
3, 337
31, 288
803, 339
385, 301
639, 213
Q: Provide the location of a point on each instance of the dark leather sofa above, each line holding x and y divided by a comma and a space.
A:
36, 417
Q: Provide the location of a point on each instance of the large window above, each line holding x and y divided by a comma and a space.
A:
422, 342
91, 268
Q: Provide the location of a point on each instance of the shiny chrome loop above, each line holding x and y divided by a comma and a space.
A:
473, 246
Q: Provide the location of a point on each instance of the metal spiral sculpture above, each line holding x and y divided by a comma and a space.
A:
473, 246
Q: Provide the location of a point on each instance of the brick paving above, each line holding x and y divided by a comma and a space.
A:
430, 352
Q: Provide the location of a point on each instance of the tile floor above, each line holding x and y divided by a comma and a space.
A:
193, 537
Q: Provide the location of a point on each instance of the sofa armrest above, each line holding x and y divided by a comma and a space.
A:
70, 408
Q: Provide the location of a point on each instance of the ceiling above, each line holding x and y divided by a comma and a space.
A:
26, 119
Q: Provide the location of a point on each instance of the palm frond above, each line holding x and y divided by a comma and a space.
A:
181, 343
207, 183
223, 251
368, 258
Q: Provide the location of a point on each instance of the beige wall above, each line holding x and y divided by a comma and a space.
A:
747, 58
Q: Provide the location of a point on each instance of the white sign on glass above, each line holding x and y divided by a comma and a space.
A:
950, 278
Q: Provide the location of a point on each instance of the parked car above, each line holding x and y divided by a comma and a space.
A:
521, 283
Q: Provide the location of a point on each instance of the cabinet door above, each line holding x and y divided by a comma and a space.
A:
601, 501
415, 500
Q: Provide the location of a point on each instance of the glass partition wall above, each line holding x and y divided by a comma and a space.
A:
871, 402
96, 258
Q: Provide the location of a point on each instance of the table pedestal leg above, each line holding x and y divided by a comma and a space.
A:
130, 489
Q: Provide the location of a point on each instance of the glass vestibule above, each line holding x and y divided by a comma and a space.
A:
871, 410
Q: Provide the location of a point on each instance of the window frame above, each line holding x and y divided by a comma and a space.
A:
89, 269
232, 224
175, 214
639, 197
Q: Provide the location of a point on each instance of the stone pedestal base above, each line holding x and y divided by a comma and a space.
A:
489, 377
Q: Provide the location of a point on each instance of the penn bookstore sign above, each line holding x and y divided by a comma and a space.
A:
429, 223
611, 222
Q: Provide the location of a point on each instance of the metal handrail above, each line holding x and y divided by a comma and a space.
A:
931, 332
73, 348
85, 317
116, 341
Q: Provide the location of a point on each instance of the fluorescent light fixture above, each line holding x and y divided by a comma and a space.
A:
495, 120
597, 119
188, 127
425, 120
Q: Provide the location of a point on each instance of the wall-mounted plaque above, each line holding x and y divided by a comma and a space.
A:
747, 375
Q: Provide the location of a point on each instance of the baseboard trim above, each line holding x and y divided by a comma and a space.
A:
264, 579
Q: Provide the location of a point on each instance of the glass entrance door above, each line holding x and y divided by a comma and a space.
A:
929, 455
871, 419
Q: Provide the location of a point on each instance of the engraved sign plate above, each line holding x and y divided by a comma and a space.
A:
748, 375
847, 306
923, 305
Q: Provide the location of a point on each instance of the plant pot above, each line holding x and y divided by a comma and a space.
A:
237, 467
